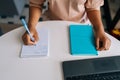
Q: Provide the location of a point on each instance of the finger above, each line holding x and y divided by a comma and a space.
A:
36, 38
24, 37
108, 44
24, 40
97, 43
103, 46
28, 41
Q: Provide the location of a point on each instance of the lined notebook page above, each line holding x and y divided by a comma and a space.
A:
40, 49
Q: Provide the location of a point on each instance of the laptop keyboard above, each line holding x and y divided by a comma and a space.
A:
102, 76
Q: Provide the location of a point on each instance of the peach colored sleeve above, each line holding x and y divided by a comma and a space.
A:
93, 4
36, 3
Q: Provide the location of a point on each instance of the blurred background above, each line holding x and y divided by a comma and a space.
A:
12, 10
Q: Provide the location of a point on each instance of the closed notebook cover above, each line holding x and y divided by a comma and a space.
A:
82, 40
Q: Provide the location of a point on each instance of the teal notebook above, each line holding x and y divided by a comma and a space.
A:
82, 40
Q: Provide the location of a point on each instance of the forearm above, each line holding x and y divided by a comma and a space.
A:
34, 15
102, 41
95, 19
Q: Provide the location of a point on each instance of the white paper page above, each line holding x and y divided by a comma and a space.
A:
40, 49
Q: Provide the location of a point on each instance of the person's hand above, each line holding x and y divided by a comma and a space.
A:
102, 41
26, 38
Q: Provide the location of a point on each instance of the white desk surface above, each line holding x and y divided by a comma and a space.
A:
12, 67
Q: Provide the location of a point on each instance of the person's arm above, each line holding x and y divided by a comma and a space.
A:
35, 11
95, 18
34, 15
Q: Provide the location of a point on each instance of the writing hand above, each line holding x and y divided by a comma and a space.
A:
26, 38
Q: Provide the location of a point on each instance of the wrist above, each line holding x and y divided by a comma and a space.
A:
99, 29
31, 25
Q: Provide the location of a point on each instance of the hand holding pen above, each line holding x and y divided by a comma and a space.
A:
30, 37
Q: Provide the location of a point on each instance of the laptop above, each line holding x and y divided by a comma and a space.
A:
104, 68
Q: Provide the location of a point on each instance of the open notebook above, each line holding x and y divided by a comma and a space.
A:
40, 49
82, 40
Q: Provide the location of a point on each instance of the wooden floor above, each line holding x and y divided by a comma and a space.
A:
4, 28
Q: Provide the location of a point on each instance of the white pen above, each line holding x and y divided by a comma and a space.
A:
26, 28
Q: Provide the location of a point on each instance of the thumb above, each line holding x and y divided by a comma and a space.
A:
36, 37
